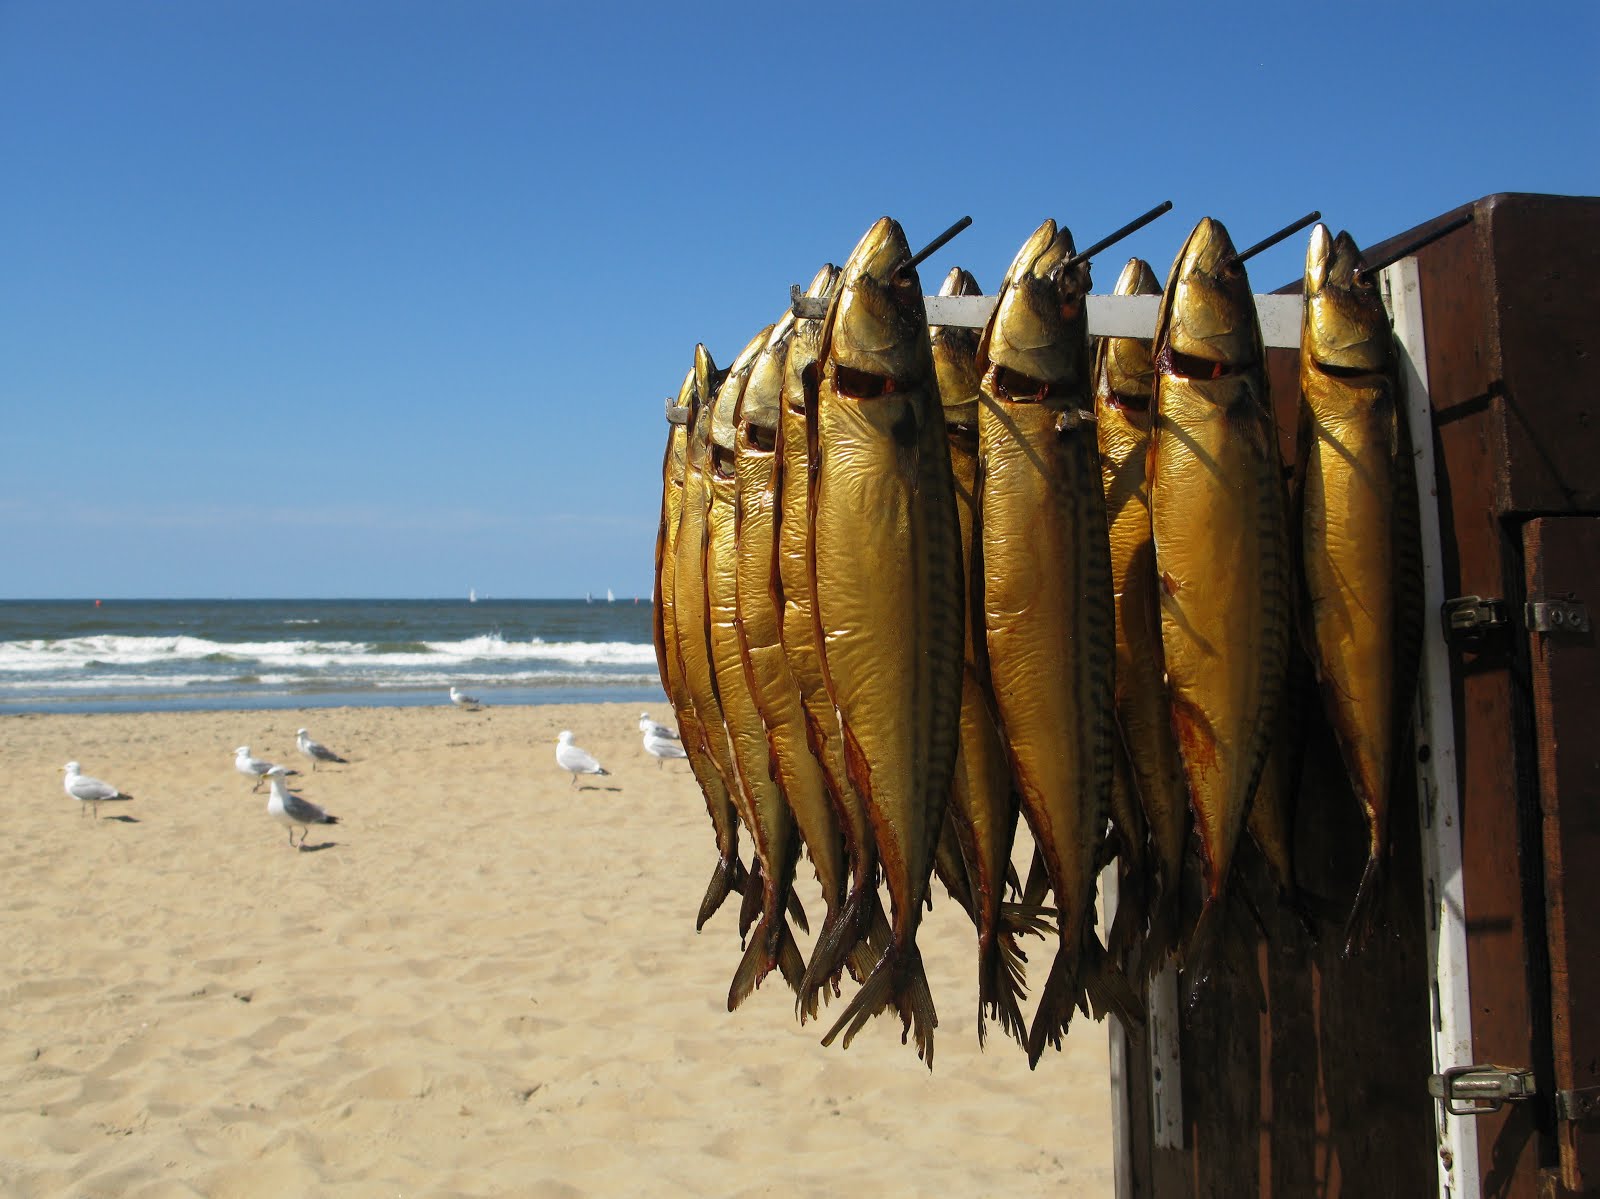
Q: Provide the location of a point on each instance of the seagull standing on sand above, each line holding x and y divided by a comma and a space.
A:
661, 747
288, 808
256, 768
89, 790
648, 726
578, 761
316, 751
462, 700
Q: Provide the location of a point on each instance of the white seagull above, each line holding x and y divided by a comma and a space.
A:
316, 751
89, 790
288, 808
462, 700
661, 747
578, 761
648, 726
256, 768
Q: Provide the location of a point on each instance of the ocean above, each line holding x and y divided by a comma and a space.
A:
154, 655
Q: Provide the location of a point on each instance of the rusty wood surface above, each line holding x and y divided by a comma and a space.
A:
1563, 560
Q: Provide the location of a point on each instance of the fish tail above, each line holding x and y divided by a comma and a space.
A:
797, 911
1161, 939
1038, 884
1133, 911
727, 878
750, 905
1002, 987
836, 939
1107, 988
1027, 920
897, 979
772, 947
1364, 913
1056, 1004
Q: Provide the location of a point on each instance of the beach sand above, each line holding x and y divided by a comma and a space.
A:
482, 982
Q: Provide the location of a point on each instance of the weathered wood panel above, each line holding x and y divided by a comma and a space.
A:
1563, 561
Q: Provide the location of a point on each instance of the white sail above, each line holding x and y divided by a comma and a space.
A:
610, 599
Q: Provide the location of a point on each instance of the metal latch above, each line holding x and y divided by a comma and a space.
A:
1579, 1103
1556, 616
1472, 616
1480, 1089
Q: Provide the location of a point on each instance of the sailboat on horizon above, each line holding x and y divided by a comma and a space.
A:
472, 595
610, 599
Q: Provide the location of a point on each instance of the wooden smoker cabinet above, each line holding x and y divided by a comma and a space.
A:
1311, 1079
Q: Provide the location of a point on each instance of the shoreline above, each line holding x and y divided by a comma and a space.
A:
484, 981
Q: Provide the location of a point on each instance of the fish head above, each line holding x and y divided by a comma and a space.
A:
1346, 326
726, 405
955, 357
1129, 373
759, 407
799, 363
1037, 339
707, 378
877, 336
1208, 321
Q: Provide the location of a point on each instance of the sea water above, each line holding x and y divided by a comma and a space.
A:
151, 655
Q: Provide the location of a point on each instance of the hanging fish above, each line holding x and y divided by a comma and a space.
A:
887, 602
756, 795
1218, 516
862, 915
1124, 383
984, 804
1358, 532
729, 874
1047, 603
796, 770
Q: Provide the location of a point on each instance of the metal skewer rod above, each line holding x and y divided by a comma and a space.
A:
933, 247
1113, 238
1411, 248
1267, 243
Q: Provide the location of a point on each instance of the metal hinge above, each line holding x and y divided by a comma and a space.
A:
1470, 616
1480, 1089
1578, 1103
1556, 616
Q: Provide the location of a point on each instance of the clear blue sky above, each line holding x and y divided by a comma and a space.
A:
347, 298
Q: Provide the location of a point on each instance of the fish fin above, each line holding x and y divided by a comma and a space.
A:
897, 979
727, 877
750, 907
951, 867
1012, 881
1002, 987
1038, 884
1026, 919
1364, 913
1161, 939
1199, 954
1056, 1004
1107, 988
1128, 925
838, 937
797, 911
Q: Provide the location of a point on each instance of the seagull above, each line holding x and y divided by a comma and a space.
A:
285, 806
578, 761
462, 700
648, 726
316, 751
662, 745
90, 790
256, 768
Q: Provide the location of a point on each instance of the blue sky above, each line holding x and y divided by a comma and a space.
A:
339, 298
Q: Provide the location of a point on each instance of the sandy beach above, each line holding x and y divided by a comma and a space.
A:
482, 982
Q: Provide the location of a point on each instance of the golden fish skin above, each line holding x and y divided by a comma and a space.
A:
886, 578
1218, 516
1358, 534
729, 875
1046, 594
777, 697
791, 585
757, 796
1124, 384
983, 803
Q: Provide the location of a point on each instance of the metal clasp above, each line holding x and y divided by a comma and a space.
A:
1578, 1103
1471, 616
1556, 616
1480, 1089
